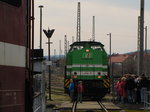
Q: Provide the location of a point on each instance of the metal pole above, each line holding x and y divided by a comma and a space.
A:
138, 47
49, 70
122, 69
65, 45
141, 37
145, 39
78, 38
93, 30
41, 6
72, 39
110, 51
32, 57
49, 34
29, 95
110, 65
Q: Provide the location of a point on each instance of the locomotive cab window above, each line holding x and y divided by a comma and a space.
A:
16, 3
96, 48
76, 48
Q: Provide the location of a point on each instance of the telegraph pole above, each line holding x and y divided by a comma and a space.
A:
141, 38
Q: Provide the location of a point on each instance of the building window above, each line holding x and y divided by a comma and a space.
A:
16, 3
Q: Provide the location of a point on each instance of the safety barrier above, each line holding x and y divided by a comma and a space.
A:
147, 101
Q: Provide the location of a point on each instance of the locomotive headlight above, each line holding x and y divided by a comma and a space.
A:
99, 76
74, 76
87, 50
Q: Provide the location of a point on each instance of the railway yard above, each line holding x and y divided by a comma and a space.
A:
74, 74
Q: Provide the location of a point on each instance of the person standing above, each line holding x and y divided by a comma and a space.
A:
80, 91
123, 92
71, 90
130, 85
144, 85
117, 86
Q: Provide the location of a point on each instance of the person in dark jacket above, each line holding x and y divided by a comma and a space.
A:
144, 86
71, 90
80, 91
130, 85
137, 90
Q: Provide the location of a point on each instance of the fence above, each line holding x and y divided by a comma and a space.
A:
37, 103
147, 101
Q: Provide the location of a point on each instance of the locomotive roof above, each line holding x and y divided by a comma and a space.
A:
86, 42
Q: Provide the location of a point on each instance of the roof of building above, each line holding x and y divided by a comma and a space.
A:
119, 58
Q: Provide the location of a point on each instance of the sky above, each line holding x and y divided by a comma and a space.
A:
118, 17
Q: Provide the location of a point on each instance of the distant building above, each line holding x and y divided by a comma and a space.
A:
127, 63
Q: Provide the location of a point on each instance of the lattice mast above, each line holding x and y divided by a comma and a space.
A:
60, 51
65, 45
78, 36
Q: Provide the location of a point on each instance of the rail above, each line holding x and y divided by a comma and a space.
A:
147, 101
102, 106
74, 106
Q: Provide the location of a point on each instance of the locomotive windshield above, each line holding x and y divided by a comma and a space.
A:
76, 48
87, 44
16, 3
96, 47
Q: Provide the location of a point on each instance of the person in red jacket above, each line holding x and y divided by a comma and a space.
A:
80, 91
123, 92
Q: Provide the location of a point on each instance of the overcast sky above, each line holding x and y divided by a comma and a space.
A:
120, 17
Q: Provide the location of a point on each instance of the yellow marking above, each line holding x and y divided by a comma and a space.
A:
105, 86
66, 80
106, 83
67, 83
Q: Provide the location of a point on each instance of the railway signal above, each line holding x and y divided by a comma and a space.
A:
49, 34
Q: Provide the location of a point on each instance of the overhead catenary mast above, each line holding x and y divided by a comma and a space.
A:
141, 38
78, 36
65, 45
59, 49
72, 39
93, 29
138, 45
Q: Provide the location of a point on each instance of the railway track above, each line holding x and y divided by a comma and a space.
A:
74, 106
102, 106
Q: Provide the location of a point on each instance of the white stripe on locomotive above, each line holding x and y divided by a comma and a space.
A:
87, 65
86, 73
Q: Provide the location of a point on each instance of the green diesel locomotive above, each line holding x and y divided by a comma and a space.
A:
87, 61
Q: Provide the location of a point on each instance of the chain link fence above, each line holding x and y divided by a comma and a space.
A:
147, 101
